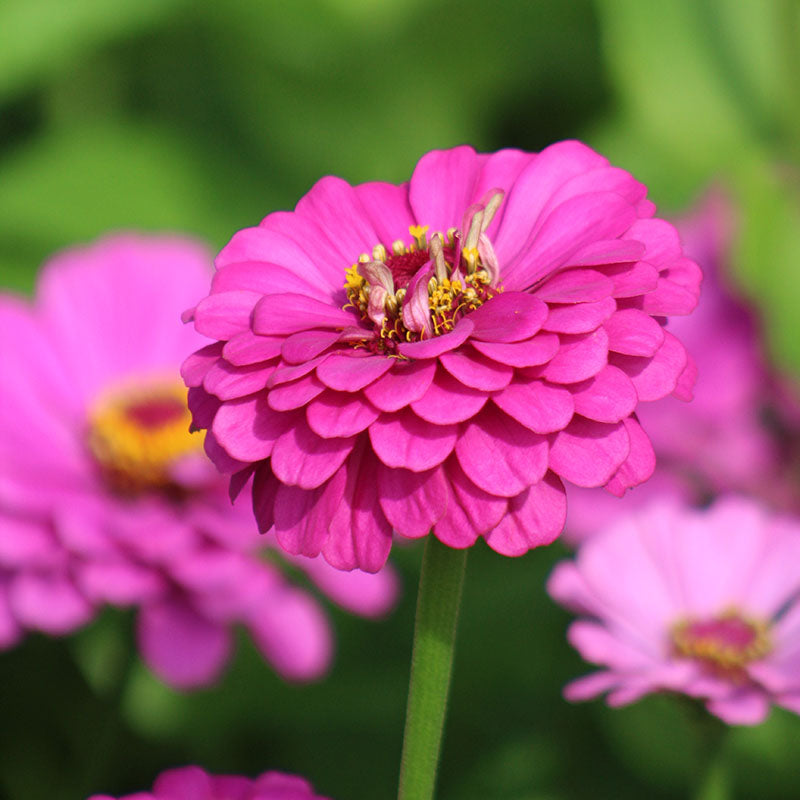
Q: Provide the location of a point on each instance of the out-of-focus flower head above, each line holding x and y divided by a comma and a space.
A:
105, 495
439, 355
706, 603
740, 433
194, 783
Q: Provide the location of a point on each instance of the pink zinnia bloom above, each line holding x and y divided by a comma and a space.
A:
706, 603
194, 783
720, 442
439, 355
105, 496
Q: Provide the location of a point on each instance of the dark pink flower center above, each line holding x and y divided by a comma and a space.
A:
725, 644
137, 434
155, 411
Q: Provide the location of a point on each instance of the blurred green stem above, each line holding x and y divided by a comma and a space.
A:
438, 601
715, 781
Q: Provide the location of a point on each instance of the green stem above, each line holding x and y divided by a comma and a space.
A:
438, 602
715, 781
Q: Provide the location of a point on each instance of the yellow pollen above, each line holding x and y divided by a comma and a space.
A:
137, 434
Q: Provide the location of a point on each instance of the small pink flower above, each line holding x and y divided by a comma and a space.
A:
519, 323
194, 783
105, 496
720, 441
706, 603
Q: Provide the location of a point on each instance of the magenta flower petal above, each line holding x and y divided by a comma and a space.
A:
348, 373
292, 633
634, 333
576, 286
476, 371
194, 783
509, 317
359, 533
608, 397
223, 315
283, 314
501, 456
413, 502
531, 278
339, 414
580, 357
458, 169
535, 185
534, 518
228, 382
405, 440
49, 603
302, 458
402, 385
182, 647
448, 400
657, 376
387, 208
295, 394
529, 353
539, 406
640, 463
305, 345
247, 429
334, 207
633, 281
246, 348
579, 317
194, 369
471, 511
569, 228
588, 453
431, 348
247, 246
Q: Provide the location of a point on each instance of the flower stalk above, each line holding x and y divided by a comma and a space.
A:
438, 603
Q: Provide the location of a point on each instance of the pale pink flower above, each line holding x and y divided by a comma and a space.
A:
194, 783
439, 355
740, 432
706, 603
105, 496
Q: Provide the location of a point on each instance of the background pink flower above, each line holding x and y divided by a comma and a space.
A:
105, 497
740, 431
706, 603
194, 783
440, 355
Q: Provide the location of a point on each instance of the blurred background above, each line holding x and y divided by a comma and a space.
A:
203, 117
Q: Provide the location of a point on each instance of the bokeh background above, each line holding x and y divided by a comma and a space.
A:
202, 117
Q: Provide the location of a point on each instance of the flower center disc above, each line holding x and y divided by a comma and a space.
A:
420, 290
724, 644
137, 434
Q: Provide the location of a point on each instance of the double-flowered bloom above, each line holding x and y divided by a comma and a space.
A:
442, 354
105, 495
194, 783
706, 603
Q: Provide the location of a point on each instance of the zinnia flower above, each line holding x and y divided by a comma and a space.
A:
740, 432
105, 496
706, 603
194, 783
439, 355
